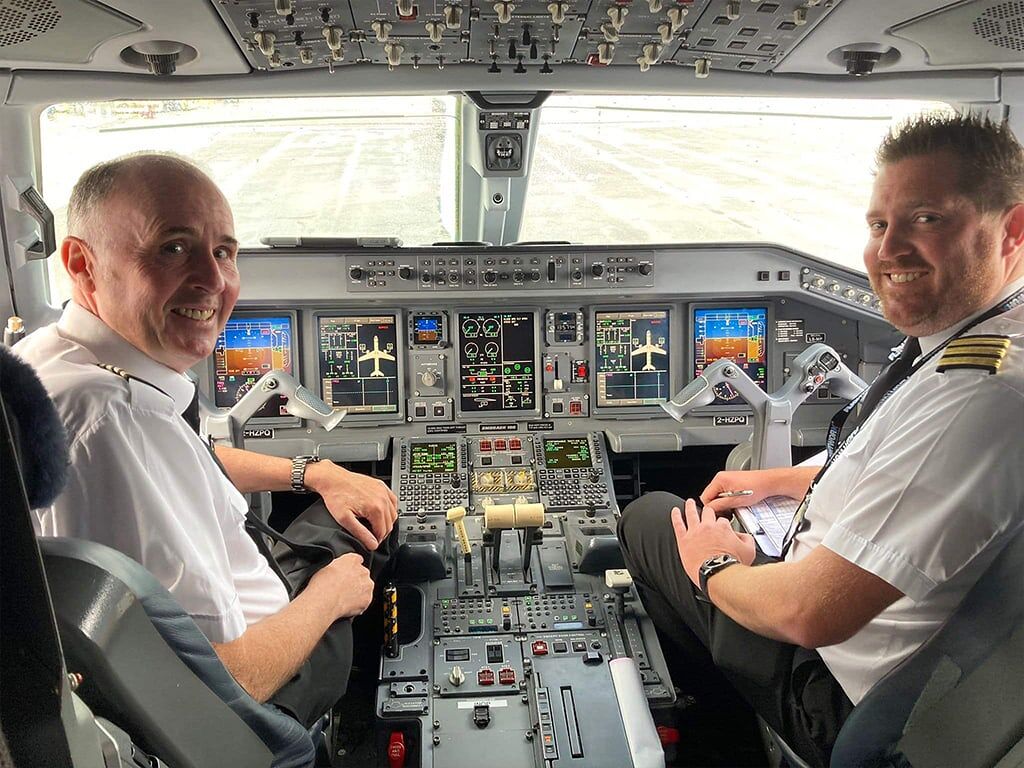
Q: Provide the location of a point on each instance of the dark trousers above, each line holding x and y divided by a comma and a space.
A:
323, 678
788, 686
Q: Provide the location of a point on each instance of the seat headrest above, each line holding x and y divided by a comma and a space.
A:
39, 437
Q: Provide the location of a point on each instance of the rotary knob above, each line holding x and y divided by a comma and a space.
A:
490, 276
456, 677
405, 273
597, 270
429, 378
645, 268
356, 273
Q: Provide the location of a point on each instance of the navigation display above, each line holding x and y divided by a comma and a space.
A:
632, 357
497, 361
428, 458
248, 348
566, 452
740, 334
359, 362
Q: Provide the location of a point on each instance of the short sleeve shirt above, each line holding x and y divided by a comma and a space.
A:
925, 495
141, 481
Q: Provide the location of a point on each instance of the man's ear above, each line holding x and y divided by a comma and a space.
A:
1013, 232
80, 262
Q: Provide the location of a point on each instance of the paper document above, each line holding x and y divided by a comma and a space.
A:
768, 521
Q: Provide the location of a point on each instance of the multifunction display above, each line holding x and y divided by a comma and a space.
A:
431, 458
566, 453
246, 349
739, 334
359, 362
632, 357
497, 361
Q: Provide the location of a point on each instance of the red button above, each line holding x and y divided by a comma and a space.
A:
540, 648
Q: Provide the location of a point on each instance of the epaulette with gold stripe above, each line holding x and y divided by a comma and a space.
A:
129, 376
980, 353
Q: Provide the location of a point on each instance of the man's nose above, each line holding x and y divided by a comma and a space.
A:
207, 274
894, 242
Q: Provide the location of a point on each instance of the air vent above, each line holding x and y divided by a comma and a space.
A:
24, 20
1002, 25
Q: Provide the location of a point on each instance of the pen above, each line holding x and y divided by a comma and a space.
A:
730, 494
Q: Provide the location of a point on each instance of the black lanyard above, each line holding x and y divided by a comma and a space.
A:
833, 444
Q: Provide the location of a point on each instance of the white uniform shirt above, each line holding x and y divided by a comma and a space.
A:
141, 481
925, 496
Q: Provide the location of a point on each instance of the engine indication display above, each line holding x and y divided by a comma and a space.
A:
737, 333
497, 361
359, 362
430, 458
248, 348
567, 453
632, 357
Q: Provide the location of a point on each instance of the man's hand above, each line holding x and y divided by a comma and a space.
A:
784, 481
704, 536
348, 580
350, 496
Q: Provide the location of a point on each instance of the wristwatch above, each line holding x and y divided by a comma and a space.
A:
299, 464
713, 565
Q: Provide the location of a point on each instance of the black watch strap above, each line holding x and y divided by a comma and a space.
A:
713, 565
299, 464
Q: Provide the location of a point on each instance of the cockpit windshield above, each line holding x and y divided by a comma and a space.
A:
606, 169
682, 169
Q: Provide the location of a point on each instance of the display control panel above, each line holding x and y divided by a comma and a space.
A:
358, 357
249, 347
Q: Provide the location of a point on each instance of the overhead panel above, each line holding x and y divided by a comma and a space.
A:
513, 36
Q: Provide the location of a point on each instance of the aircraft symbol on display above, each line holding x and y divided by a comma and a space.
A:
376, 354
650, 348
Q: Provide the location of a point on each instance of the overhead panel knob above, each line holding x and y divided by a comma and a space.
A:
405, 8
306, 55
453, 16
654, 5
332, 35
732, 10
676, 15
618, 14
557, 11
800, 16
652, 52
606, 52
611, 35
382, 29
643, 62
274, 60
665, 31
435, 29
394, 53
456, 677
702, 68
284, 7
265, 40
504, 10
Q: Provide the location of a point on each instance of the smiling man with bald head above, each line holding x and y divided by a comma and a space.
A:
152, 258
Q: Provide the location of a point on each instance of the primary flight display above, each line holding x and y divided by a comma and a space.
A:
249, 347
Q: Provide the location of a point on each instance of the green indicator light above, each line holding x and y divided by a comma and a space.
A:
527, 369
518, 366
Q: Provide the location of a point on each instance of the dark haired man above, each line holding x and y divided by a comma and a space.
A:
151, 254
921, 496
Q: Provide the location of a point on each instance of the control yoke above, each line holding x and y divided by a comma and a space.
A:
773, 414
226, 428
